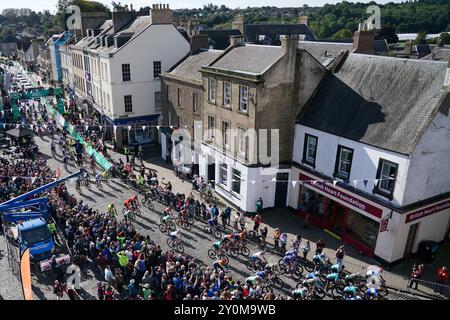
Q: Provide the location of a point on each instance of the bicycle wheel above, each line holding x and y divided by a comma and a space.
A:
250, 265
224, 258
169, 242
383, 291
320, 293
150, 205
180, 248
296, 274
187, 225
234, 252
217, 234
178, 221
277, 282
245, 251
190, 220
207, 229
211, 254
171, 226
309, 266
162, 228
298, 285
282, 266
137, 211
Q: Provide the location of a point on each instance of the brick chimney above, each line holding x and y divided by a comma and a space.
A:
238, 23
199, 41
236, 41
303, 20
363, 41
289, 43
122, 18
161, 14
408, 47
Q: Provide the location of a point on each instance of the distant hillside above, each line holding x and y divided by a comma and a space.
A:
432, 16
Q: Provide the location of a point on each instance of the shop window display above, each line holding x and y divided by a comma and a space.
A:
311, 202
362, 229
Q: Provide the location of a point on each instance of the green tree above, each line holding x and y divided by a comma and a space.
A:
421, 37
343, 34
445, 38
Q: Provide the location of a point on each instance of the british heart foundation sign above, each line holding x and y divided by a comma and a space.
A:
416, 215
345, 197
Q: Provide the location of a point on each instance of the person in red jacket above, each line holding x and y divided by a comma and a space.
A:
441, 279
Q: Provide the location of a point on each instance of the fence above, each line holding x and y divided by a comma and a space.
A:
440, 291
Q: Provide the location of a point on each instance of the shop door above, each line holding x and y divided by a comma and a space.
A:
124, 137
211, 168
410, 240
337, 218
281, 189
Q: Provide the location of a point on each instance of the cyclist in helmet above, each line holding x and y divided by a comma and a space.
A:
337, 268
219, 264
176, 235
259, 257
217, 246
300, 293
372, 294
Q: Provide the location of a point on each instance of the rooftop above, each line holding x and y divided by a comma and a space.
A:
190, 67
381, 101
253, 59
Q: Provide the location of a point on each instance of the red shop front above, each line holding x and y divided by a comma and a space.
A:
323, 202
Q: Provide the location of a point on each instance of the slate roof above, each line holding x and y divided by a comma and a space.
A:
190, 67
324, 52
220, 39
274, 31
381, 101
438, 54
128, 32
254, 59
423, 50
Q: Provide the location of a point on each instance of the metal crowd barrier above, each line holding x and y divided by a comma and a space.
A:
440, 291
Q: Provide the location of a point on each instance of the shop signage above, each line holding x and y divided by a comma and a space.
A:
347, 198
384, 224
427, 211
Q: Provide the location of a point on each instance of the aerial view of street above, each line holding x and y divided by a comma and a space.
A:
137, 172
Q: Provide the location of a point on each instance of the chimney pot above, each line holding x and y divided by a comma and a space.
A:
236, 41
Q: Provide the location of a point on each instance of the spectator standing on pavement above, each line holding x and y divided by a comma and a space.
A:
416, 274
276, 238
227, 213
340, 252
283, 242
306, 222
259, 206
241, 220
441, 279
320, 245
296, 242
127, 153
109, 276
305, 249
257, 220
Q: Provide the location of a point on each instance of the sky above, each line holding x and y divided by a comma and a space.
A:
177, 4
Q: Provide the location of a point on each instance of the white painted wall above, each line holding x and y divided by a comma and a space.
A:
263, 187
156, 43
365, 160
429, 173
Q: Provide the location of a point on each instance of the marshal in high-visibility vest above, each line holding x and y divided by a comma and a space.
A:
52, 227
123, 260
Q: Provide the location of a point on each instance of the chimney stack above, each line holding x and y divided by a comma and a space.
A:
303, 20
289, 43
199, 41
121, 19
363, 41
161, 14
408, 47
236, 41
238, 23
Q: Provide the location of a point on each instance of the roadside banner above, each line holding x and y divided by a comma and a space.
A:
25, 274
98, 157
